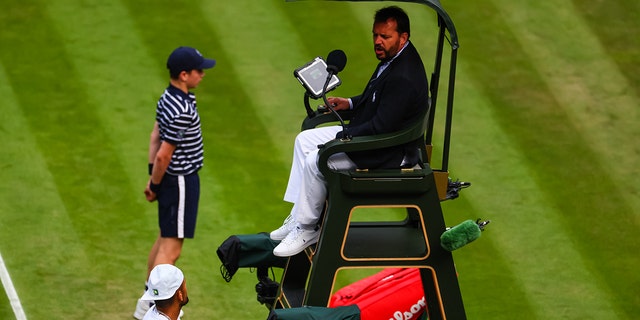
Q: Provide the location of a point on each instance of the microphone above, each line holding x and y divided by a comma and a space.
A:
462, 234
336, 60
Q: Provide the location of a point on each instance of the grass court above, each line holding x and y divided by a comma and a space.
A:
545, 127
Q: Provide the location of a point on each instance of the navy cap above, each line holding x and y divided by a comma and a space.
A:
187, 59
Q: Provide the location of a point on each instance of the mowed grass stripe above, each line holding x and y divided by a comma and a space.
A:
522, 232
539, 130
607, 114
599, 100
40, 249
488, 279
498, 194
615, 23
123, 81
263, 63
88, 176
69, 134
556, 154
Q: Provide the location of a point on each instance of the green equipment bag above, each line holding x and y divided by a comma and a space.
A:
248, 251
252, 251
316, 313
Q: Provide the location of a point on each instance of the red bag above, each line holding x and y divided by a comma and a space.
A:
391, 294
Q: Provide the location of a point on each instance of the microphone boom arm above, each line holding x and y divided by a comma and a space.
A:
307, 105
330, 107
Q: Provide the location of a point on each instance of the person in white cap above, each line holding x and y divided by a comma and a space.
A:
168, 289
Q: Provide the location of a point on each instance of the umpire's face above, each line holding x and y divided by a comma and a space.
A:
386, 39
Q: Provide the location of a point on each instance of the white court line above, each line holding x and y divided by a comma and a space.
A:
11, 292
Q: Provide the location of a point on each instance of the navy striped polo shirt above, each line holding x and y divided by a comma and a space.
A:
179, 124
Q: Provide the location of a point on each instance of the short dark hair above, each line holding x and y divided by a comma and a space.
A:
397, 14
175, 74
164, 303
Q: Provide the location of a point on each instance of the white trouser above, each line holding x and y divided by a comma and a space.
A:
307, 188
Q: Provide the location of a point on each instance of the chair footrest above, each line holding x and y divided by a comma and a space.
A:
385, 241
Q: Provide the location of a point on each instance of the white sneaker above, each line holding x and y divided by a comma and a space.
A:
280, 233
141, 308
296, 241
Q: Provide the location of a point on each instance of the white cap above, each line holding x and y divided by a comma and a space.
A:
163, 282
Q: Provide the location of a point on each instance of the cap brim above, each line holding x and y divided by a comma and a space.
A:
147, 297
207, 63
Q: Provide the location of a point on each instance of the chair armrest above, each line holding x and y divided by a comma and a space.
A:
322, 117
364, 143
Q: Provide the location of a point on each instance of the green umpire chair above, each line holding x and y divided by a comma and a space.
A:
414, 241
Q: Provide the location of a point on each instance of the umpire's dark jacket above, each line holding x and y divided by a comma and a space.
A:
390, 103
